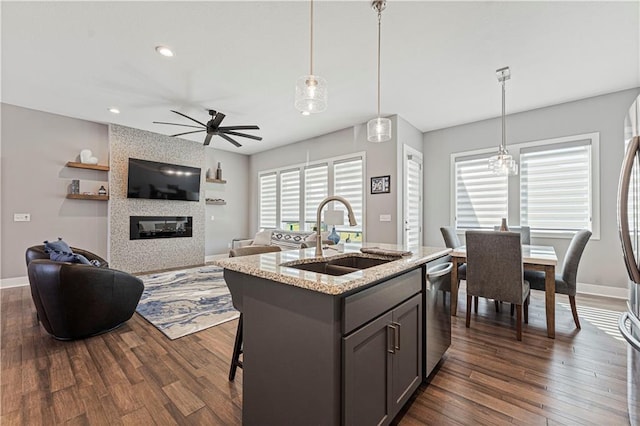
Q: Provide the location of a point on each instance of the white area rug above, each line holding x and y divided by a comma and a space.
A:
182, 302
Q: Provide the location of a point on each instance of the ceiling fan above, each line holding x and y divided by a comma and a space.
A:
213, 128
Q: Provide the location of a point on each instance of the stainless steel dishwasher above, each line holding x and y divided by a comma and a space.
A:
437, 312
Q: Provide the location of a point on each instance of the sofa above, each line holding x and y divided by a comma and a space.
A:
285, 239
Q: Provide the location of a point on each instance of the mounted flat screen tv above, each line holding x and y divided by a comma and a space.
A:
162, 181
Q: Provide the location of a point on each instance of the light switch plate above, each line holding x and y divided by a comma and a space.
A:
385, 218
22, 217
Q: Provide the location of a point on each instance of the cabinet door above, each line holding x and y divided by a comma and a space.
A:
407, 359
367, 373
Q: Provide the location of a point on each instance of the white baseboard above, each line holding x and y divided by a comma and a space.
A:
602, 290
14, 282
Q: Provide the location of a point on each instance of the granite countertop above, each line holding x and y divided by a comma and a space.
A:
270, 266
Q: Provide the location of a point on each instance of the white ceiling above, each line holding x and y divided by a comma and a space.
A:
242, 58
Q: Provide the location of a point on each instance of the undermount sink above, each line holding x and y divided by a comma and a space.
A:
339, 266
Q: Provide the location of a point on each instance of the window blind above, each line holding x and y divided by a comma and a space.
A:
289, 198
555, 187
348, 183
268, 200
481, 197
316, 188
413, 203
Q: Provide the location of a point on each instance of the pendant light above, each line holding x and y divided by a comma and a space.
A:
311, 90
379, 129
502, 163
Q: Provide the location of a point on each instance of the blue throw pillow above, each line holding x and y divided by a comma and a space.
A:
59, 246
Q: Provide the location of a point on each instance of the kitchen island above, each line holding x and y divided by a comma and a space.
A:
338, 339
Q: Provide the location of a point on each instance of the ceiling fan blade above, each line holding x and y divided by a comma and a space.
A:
253, 127
186, 116
207, 140
187, 133
176, 124
229, 139
217, 120
244, 135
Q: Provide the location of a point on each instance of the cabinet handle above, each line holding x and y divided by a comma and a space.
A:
391, 341
396, 335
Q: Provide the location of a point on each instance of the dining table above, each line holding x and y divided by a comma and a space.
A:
537, 258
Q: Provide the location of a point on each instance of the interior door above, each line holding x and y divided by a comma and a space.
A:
412, 209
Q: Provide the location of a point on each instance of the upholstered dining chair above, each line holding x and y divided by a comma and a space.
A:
237, 347
452, 241
566, 279
495, 271
524, 231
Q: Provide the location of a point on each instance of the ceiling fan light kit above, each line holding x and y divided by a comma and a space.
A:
311, 89
503, 163
379, 129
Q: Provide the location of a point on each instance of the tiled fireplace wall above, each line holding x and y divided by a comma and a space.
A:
152, 254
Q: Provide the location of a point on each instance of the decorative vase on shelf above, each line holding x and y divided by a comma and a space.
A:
209, 174
334, 236
102, 190
503, 225
219, 172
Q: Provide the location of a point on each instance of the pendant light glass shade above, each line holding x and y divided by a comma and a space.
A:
311, 94
503, 163
379, 129
311, 89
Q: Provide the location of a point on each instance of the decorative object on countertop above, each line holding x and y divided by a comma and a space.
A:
381, 184
385, 252
102, 190
182, 302
219, 172
334, 217
311, 90
86, 157
348, 240
503, 163
74, 188
379, 129
503, 225
208, 175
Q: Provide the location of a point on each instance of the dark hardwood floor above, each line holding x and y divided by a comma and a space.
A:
135, 375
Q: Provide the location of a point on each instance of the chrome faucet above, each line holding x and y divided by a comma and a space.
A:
352, 219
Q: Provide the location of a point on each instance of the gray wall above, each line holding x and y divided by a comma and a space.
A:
231, 220
148, 255
35, 148
381, 159
602, 262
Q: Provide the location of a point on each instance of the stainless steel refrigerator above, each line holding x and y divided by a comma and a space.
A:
629, 230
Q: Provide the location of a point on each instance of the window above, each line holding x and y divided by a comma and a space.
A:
316, 189
556, 192
481, 197
268, 201
555, 187
290, 200
348, 183
302, 188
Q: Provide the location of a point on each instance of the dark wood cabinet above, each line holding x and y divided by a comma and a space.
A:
383, 365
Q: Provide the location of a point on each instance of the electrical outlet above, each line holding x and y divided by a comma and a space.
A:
212, 217
228, 245
22, 217
385, 218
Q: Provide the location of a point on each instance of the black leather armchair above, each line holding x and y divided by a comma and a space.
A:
75, 300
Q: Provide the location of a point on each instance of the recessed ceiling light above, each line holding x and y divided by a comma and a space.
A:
164, 51
114, 110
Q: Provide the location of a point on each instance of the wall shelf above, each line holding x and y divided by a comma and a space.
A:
216, 180
88, 197
87, 166
217, 203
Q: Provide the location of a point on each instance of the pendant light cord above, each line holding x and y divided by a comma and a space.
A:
504, 127
311, 40
379, 20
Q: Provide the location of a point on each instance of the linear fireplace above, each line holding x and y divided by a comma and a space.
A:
147, 227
